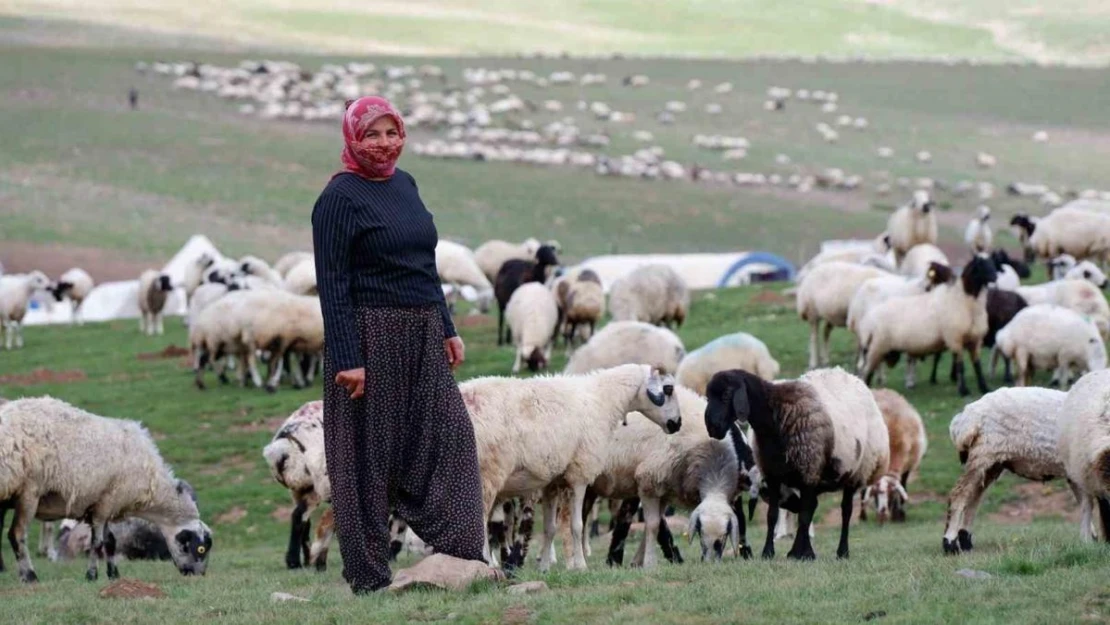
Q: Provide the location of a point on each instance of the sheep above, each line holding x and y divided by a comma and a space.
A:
16, 290
492, 254
1074, 293
652, 293
280, 322
515, 272
919, 258
1059, 267
206, 294
58, 461
581, 301
556, 434
1086, 270
301, 279
254, 266
534, 324
912, 224
950, 317
1002, 306
819, 433
978, 235
731, 351
216, 335
875, 256
985, 161
624, 342
154, 288
1085, 453
76, 284
825, 295
1081, 233
1014, 429
135, 539
456, 266
1049, 336
206, 268
1010, 271
688, 468
291, 260
908, 444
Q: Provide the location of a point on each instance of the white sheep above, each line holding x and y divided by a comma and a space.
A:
581, 301
154, 290
254, 266
825, 295
1046, 336
1010, 429
819, 433
877, 255
76, 284
912, 224
1084, 449
457, 266
1088, 271
731, 351
624, 342
978, 235
492, 254
216, 336
1075, 293
16, 290
58, 461
919, 258
1083, 234
950, 317
281, 323
908, 443
290, 260
552, 432
653, 293
301, 279
533, 317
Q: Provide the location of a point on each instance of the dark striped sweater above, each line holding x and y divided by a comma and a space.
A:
375, 246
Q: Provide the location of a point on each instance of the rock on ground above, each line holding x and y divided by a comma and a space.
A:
443, 571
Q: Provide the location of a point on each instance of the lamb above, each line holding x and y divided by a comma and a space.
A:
978, 235
624, 342
731, 351
514, 273
58, 461
1081, 233
254, 266
1048, 336
494, 253
280, 323
825, 295
920, 257
951, 317
819, 433
1085, 452
291, 260
652, 293
1014, 429
581, 301
908, 444
76, 284
154, 289
572, 420
534, 324
456, 266
16, 290
912, 224
1074, 293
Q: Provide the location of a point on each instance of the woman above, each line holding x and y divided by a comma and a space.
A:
397, 435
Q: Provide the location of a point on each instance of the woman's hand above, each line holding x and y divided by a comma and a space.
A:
456, 351
354, 380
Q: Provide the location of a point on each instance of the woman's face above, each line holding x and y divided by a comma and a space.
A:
382, 132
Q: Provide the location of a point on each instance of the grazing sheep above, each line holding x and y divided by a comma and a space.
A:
135, 539
920, 258
1011, 429
1075, 293
552, 432
57, 462
819, 433
76, 284
625, 342
492, 254
978, 235
534, 324
16, 290
912, 224
908, 444
280, 322
950, 317
581, 301
456, 266
1047, 336
731, 351
651, 293
825, 295
1002, 306
291, 260
515, 272
1084, 449
154, 289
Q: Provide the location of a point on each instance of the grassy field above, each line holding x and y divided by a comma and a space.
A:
1073, 31
1040, 571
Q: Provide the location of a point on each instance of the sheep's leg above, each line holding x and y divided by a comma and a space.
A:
803, 546
962, 502
813, 328
318, 552
96, 547
200, 362
296, 369
7, 334
666, 543
18, 334
277, 360
296, 520
992, 474
1086, 533
46, 542
517, 357
745, 550
1104, 517
523, 538
774, 490
652, 517
962, 379
936, 363
158, 319
576, 528
977, 367
3, 513
1063, 373
845, 520
110, 552
25, 510
548, 530
252, 367
862, 505
911, 372
621, 524
500, 325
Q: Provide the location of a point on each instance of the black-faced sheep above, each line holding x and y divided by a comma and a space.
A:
514, 273
154, 290
75, 284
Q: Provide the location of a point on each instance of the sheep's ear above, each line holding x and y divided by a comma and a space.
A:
694, 526
902, 491
741, 408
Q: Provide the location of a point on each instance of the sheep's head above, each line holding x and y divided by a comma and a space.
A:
205, 260
714, 523
60, 289
922, 203
1088, 271
536, 360
1000, 257
983, 213
661, 405
546, 255
38, 281
889, 498
978, 274
250, 265
938, 274
1023, 223
189, 545
729, 402
163, 283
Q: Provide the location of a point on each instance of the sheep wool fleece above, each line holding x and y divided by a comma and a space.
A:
407, 445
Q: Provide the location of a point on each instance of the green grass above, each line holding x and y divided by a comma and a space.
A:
1040, 571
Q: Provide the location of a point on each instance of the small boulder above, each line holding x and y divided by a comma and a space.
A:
527, 588
445, 572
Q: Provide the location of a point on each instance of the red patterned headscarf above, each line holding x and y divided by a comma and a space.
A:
359, 156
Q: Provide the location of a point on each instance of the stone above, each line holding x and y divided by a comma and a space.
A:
527, 588
445, 572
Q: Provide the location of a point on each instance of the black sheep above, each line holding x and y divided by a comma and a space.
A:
514, 273
1001, 307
